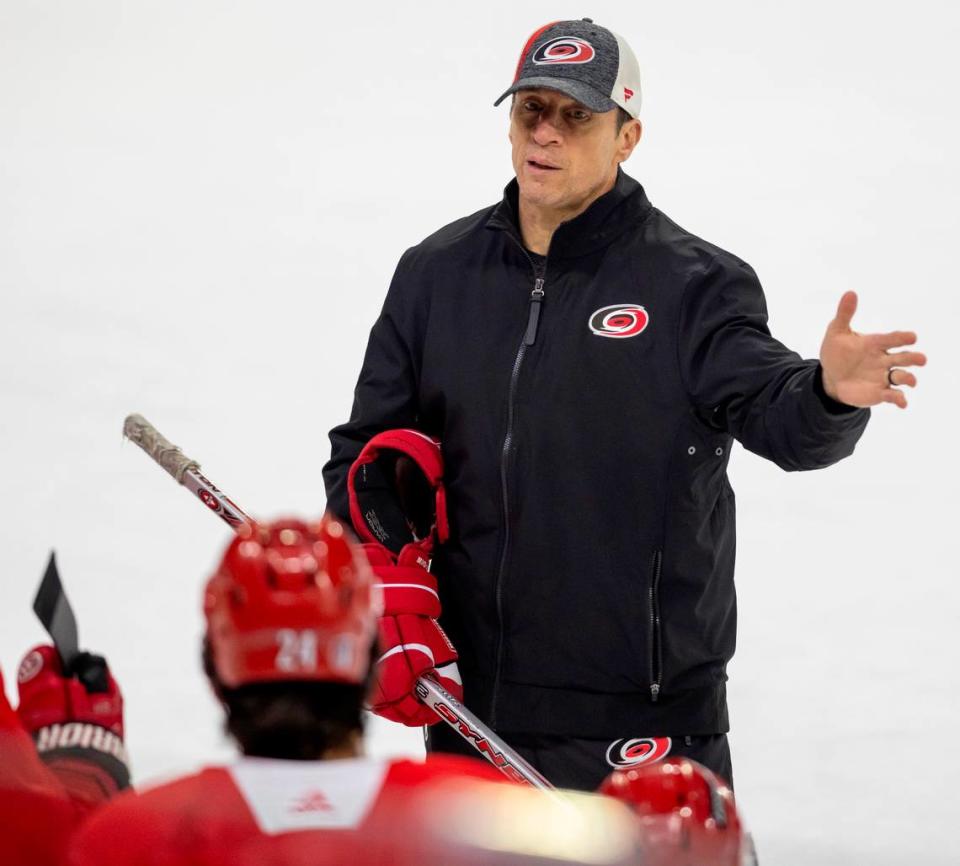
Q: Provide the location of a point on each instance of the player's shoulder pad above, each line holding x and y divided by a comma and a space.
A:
148, 819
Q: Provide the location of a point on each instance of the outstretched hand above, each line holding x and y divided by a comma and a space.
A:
861, 369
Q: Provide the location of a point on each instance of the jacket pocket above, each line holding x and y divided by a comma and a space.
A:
654, 644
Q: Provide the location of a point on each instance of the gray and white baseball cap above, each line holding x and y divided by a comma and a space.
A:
583, 60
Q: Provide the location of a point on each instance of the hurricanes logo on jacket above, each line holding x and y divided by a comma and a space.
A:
619, 321
564, 49
633, 753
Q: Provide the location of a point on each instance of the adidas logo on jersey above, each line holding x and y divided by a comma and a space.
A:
312, 801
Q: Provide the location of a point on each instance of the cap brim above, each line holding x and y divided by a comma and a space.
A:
583, 93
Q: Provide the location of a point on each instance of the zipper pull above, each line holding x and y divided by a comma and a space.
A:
654, 691
536, 299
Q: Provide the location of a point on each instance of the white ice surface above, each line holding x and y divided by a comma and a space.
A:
201, 205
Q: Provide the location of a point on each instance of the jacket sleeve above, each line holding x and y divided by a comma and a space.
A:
742, 380
385, 396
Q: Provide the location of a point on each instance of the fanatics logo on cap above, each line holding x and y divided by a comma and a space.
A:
565, 49
619, 321
633, 753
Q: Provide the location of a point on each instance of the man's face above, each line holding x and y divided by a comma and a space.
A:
564, 154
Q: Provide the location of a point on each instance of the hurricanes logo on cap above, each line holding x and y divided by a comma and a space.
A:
619, 321
564, 49
632, 753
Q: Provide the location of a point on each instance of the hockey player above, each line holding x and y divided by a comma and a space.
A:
687, 814
74, 762
291, 615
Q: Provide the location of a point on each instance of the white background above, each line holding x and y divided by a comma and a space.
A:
201, 205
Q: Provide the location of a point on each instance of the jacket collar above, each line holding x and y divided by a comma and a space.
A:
610, 215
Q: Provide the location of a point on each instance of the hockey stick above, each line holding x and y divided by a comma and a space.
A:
187, 472
55, 612
478, 735
53, 609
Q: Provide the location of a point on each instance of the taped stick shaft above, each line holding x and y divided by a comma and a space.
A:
187, 472
161, 450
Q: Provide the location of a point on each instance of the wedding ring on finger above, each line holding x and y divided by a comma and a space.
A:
890, 373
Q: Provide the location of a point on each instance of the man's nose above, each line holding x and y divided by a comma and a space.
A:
545, 130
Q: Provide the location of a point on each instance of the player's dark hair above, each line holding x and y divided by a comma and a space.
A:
293, 720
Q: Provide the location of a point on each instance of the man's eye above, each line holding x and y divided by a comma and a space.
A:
579, 115
531, 106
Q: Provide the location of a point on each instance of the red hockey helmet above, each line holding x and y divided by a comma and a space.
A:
292, 601
687, 813
396, 491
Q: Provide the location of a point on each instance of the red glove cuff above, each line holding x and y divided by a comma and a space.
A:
408, 590
414, 645
411, 641
76, 722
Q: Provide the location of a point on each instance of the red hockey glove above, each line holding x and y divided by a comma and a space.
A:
411, 641
76, 720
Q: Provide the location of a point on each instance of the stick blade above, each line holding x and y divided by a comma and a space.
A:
53, 609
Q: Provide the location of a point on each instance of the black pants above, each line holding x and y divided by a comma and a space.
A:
581, 764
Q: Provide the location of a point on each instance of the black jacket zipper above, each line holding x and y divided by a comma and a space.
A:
529, 338
654, 641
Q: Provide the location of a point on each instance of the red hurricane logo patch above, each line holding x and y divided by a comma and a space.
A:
564, 49
209, 500
31, 665
633, 753
619, 321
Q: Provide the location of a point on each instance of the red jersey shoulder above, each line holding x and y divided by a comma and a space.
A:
278, 811
147, 826
20, 765
36, 817
436, 767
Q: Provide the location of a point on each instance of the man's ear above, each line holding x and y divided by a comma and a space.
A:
630, 134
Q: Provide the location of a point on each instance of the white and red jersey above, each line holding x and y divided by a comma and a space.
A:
354, 811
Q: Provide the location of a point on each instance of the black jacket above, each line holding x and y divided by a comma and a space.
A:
588, 584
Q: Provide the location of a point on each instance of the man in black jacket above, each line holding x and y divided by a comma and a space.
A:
586, 364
